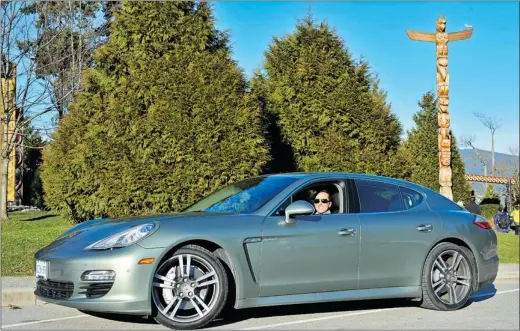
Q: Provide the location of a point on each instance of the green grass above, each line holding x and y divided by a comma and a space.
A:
23, 235
27, 232
508, 247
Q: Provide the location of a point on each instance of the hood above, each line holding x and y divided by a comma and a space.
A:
95, 230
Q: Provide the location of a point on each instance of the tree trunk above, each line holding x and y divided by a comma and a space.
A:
492, 154
3, 188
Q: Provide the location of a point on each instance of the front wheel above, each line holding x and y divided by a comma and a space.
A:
449, 276
189, 289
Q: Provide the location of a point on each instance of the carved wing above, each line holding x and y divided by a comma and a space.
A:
421, 36
461, 35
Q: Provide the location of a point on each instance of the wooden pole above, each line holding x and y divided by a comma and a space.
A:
441, 39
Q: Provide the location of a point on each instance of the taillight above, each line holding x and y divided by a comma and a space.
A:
482, 223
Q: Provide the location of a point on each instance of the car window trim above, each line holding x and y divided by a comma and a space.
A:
311, 181
423, 196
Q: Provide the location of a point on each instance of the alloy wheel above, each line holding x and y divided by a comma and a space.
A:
450, 277
185, 288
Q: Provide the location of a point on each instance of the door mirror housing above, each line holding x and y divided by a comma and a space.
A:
296, 208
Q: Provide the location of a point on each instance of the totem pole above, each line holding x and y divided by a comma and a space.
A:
441, 39
9, 110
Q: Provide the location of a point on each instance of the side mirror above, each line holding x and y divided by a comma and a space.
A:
296, 208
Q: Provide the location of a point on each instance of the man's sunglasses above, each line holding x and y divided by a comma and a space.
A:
322, 200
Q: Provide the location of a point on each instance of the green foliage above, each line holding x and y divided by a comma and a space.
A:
422, 143
490, 193
163, 119
516, 190
324, 111
32, 186
489, 210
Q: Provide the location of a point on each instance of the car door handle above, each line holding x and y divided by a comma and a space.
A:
347, 232
424, 228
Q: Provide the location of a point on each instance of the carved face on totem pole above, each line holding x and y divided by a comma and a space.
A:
441, 24
442, 61
445, 143
443, 104
442, 50
444, 132
444, 120
445, 157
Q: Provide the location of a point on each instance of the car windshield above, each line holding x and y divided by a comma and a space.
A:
243, 197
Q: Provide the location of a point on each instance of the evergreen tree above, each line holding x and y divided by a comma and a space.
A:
163, 119
422, 143
490, 193
32, 189
324, 111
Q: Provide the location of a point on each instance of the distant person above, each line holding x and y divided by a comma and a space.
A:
515, 220
502, 220
472, 206
515, 215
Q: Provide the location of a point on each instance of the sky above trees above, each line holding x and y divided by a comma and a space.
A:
484, 70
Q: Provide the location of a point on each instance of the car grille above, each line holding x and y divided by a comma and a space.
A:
54, 290
96, 290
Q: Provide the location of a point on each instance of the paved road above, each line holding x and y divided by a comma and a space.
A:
496, 307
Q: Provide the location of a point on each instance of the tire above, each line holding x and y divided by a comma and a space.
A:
186, 304
448, 298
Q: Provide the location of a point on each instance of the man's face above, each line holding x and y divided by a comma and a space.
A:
322, 202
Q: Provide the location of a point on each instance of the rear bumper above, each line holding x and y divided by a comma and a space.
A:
488, 272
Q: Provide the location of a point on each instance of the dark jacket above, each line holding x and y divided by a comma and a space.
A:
472, 207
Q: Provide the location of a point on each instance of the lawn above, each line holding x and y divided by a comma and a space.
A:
508, 247
23, 235
27, 232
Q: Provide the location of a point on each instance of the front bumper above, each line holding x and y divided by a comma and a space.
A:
128, 293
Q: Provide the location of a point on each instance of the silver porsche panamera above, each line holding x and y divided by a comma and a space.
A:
259, 242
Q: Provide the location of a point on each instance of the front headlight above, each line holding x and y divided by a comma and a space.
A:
126, 238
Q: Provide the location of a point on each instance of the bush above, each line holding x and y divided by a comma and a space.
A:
489, 210
163, 118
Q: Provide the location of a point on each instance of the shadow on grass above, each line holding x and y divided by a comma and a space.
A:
37, 218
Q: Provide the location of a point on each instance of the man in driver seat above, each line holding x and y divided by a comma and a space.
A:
322, 202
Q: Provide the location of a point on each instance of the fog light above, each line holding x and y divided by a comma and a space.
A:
98, 275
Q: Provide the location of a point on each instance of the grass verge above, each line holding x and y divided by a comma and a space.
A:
23, 235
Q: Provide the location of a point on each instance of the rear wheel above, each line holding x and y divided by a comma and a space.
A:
189, 289
449, 276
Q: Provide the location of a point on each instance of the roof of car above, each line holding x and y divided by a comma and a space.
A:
350, 174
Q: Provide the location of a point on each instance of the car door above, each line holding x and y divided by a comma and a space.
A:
397, 230
316, 253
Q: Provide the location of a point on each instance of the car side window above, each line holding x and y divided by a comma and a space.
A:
411, 198
378, 197
309, 192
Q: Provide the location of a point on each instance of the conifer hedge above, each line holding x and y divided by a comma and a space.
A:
163, 119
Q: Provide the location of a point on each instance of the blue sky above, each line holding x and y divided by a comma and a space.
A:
484, 70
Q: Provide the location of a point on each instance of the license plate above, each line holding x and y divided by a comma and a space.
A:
42, 269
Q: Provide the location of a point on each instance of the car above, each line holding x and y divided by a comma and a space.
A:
259, 242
